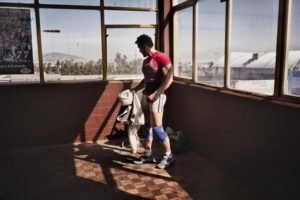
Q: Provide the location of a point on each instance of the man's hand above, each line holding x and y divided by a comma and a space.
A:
133, 89
152, 97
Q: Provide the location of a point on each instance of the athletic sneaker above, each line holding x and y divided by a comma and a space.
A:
166, 162
144, 159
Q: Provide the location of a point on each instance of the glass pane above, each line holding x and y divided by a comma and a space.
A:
124, 59
292, 69
183, 28
72, 2
131, 3
176, 2
18, 46
211, 42
129, 17
72, 46
17, 1
254, 33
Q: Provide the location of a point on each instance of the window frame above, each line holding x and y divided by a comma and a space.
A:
101, 8
125, 26
175, 46
283, 31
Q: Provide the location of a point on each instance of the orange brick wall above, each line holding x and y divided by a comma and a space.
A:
102, 118
58, 113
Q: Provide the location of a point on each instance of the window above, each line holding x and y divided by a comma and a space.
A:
183, 29
72, 2
72, 46
151, 4
253, 45
211, 43
71, 39
292, 68
124, 59
129, 17
17, 1
18, 46
176, 2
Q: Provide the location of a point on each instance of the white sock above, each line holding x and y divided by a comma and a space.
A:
148, 152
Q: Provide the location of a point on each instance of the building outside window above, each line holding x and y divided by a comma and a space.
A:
253, 46
211, 42
292, 67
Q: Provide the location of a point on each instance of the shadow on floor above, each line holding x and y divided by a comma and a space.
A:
105, 171
54, 172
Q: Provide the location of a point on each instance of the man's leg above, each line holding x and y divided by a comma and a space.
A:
148, 136
147, 130
158, 130
147, 142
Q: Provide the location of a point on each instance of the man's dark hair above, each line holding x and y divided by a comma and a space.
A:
144, 39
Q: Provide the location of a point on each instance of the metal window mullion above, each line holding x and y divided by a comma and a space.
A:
39, 41
195, 42
282, 46
228, 26
157, 38
74, 7
130, 26
103, 38
23, 5
130, 9
184, 5
175, 43
81, 7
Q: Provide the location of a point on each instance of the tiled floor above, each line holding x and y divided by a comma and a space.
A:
104, 171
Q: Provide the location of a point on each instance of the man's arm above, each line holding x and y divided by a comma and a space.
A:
168, 73
139, 86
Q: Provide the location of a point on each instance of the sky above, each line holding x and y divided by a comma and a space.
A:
80, 32
254, 28
123, 41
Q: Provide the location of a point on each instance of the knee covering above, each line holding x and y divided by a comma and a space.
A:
160, 133
147, 132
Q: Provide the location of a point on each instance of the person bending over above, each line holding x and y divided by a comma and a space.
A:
158, 76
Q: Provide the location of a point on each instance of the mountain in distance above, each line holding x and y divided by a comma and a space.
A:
53, 57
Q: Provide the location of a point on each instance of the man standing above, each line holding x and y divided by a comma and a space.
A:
158, 76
